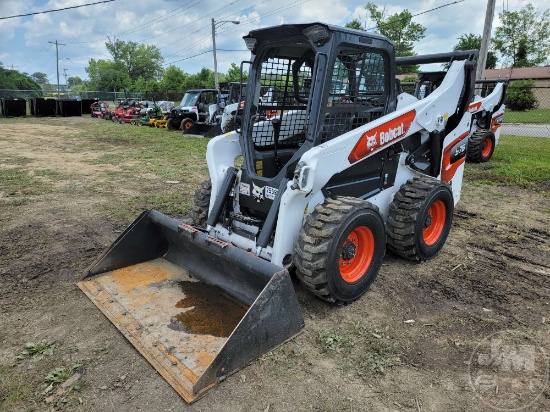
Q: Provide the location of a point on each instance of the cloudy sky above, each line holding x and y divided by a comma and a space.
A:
182, 28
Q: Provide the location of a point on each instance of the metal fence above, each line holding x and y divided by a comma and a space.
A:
533, 122
535, 119
68, 94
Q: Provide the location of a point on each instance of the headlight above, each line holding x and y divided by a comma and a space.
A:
301, 180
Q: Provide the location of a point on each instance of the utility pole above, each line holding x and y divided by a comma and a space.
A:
214, 24
66, 85
57, 61
482, 61
214, 51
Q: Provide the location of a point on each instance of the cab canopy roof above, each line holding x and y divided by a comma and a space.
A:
312, 30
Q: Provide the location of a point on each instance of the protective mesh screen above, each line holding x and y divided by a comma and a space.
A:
234, 93
357, 92
278, 102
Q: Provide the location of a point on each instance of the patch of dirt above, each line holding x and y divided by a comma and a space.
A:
492, 275
47, 147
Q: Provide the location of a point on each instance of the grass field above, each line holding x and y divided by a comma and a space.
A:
70, 186
528, 116
517, 160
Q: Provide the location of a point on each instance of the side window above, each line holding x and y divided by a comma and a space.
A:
209, 98
358, 77
357, 93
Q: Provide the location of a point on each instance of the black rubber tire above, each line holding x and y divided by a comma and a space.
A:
229, 125
184, 122
408, 216
476, 144
201, 203
234, 123
319, 247
169, 125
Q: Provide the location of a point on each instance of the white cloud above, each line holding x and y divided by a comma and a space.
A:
187, 32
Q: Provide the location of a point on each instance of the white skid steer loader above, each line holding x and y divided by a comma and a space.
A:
322, 188
487, 113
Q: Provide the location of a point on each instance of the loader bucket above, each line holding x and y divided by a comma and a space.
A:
197, 308
204, 129
215, 131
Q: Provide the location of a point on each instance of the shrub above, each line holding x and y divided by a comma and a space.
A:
520, 96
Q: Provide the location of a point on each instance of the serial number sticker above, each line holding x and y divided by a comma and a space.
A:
244, 189
270, 192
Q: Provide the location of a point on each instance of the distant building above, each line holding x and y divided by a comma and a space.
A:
539, 74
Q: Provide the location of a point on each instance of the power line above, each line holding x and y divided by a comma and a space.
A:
146, 24
158, 19
243, 23
208, 25
418, 14
176, 28
51, 11
194, 21
190, 57
269, 14
41, 53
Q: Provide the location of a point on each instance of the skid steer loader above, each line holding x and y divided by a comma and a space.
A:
488, 113
321, 188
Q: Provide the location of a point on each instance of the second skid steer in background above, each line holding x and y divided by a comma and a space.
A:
332, 179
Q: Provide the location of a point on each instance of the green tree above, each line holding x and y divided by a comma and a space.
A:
74, 81
173, 79
354, 24
107, 75
471, 41
399, 28
523, 36
138, 60
521, 58
520, 96
14, 80
234, 74
201, 80
40, 78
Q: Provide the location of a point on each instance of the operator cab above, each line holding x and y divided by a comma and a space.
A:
323, 81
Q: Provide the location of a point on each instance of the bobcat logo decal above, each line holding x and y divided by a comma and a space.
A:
258, 193
371, 140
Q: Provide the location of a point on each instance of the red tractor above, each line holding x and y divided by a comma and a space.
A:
125, 112
98, 109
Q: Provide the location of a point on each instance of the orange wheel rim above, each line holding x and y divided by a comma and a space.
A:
487, 146
434, 222
187, 125
356, 254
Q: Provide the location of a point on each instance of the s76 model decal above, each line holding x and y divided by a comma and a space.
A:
496, 122
474, 107
381, 136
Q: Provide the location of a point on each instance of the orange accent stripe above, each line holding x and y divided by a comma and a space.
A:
448, 171
494, 126
474, 107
